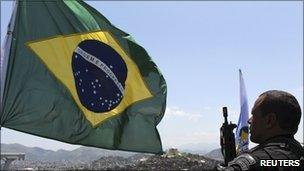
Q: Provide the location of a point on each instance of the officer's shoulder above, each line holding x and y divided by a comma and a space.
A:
265, 151
244, 161
285, 149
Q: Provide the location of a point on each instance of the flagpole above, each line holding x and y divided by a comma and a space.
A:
4, 61
303, 88
6, 51
242, 140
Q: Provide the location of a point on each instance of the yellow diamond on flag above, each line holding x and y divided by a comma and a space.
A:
58, 54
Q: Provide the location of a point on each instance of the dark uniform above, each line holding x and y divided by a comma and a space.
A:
274, 149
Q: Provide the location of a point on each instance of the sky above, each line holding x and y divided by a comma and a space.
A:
199, 47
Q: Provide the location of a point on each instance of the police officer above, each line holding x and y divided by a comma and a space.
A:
275, 119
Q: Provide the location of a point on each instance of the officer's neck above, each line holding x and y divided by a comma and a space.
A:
275, 131
275, 136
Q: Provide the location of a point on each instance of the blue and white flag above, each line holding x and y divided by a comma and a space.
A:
242, 140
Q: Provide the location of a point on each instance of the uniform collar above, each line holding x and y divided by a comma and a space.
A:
274, 139
278, 138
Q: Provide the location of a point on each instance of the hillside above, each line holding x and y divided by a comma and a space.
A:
88, 158
83, 154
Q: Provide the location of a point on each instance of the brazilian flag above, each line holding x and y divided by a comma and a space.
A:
70, 75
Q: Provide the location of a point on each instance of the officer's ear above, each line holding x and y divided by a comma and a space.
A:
271, 120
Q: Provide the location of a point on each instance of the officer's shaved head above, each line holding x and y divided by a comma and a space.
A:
275, 119
284, 105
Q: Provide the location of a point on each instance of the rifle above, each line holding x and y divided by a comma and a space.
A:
227, 139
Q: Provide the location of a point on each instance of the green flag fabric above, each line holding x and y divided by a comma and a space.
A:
74, 77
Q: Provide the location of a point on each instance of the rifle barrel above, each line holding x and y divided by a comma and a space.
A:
225, 113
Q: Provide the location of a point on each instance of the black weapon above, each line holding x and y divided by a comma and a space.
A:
227, 139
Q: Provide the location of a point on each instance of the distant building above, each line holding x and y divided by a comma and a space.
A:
172, 152
8, 158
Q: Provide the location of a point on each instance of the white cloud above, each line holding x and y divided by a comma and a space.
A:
192, 129
199, 115
206, 136
192, 138
207, 108
201, 126
233, 114
174, 111
177, 112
